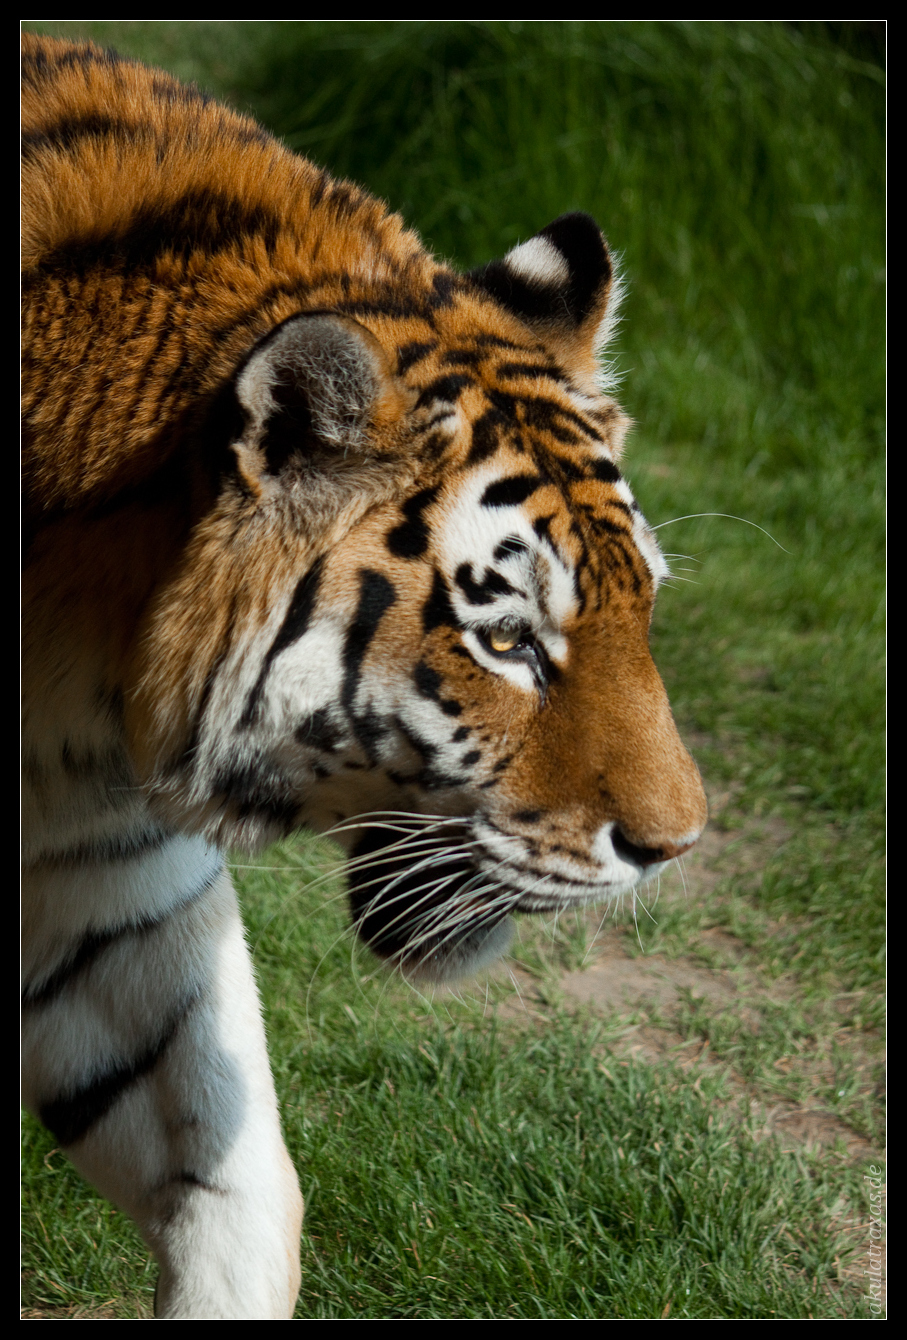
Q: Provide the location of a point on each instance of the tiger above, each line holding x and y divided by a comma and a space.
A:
320, 533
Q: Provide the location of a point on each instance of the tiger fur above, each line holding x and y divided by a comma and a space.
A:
319, 532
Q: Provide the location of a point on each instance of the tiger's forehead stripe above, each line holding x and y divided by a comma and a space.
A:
586, 526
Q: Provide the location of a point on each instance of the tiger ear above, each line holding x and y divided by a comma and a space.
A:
311, 390
561, 283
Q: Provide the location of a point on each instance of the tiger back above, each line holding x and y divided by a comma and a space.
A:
320, 533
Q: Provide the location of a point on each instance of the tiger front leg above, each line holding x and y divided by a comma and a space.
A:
145, 1054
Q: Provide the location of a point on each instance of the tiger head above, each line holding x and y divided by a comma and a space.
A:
414, 610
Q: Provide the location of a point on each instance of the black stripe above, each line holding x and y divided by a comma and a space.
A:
88, 950
513, 545
376, 595
188, 1178
392, 305
486, 432
259, 790
114, 849
92, 945
429, 682
317, 731
542, 413
343, 200
628, 556
548, 370
444, 388
505, 403
370, 728
512, 491
445, 284
169, 90
204, 220
70, 131
532, 300
294, 626
320, 185
410, 539
483, 592
497, 342
438, 612
409, 354
542, 527
568, 469
467, 358
71, 1117
389, 301
434, 445
41, 65
605, 527
605, 470
547, 416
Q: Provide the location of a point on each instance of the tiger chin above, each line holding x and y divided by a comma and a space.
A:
320, 533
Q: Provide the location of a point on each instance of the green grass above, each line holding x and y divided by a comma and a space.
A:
502, 1193
460, 1167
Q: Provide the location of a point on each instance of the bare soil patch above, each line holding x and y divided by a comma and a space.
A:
644, 991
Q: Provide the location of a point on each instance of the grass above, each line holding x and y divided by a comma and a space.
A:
738, 169
661, 1208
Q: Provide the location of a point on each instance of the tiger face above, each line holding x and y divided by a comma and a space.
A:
455, 679
538, 721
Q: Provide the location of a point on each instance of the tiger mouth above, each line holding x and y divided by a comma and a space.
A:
436, 905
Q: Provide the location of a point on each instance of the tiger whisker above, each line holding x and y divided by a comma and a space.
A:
695, 516
435, 918
373, 858
411, 910
448, 924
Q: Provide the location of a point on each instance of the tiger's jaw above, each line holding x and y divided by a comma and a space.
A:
434, 897
420, 901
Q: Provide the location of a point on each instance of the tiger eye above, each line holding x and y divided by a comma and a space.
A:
503, 639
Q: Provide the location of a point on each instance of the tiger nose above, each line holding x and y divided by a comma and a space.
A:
665, 851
